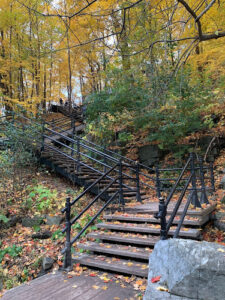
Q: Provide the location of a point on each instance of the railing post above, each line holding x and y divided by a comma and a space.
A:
203, 198
162, 216
121, 182
137, 169
78, 154
158, 184
194, 195
212, 176
68, 256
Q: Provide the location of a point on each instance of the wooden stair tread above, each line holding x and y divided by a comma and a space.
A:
150, 219
190, 232
126, 238
118, 250
112, 264
153, 207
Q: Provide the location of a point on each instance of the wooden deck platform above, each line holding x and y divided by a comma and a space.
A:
59, 287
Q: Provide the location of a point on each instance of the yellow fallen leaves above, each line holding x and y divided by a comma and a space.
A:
130, 264
221, 250
96, 287
162, 289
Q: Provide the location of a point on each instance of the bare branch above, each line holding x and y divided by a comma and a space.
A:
188, 8
205, 10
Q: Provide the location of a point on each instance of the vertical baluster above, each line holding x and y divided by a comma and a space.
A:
68, 256
212, 178
204, 198
157, 182
194, 195
137, 171
121, 182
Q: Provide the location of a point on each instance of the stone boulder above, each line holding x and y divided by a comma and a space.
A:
187, 269
47, 263
222, 183
54, 220
219, 220
31, 222
150, 155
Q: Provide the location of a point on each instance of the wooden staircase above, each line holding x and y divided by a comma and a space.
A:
124, 241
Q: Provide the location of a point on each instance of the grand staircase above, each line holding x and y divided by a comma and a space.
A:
134, 220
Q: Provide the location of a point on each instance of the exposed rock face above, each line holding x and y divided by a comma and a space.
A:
150, 154
189, 269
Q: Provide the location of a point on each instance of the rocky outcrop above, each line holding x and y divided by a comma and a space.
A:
187, 269
150, 155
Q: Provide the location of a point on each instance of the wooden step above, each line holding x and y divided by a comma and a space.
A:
184, 232
126, 238
117, 250
112, 264
199, 221
153, 207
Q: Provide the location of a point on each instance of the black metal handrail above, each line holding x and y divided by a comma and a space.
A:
70, 222
105, 160
192, 198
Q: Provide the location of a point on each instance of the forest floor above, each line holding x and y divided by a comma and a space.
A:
38, 192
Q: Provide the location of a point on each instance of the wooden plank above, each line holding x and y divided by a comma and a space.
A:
59, 287
118, 250
150, 241
153, 207
112, 264
192, 233
150, 219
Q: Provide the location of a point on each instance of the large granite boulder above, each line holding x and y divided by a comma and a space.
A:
187, 269
150, 154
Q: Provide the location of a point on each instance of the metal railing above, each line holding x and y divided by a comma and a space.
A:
197, 186
87, 154
70, 221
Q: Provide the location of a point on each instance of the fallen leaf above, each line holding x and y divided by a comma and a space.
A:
96, 287
162, 289
155, 279
221, 250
